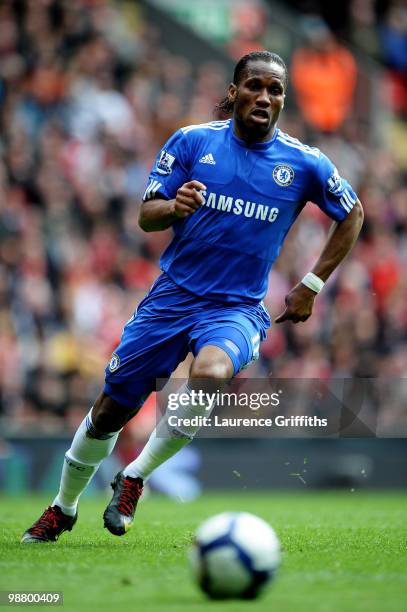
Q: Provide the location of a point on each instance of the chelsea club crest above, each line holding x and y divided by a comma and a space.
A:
283, 175
114, 362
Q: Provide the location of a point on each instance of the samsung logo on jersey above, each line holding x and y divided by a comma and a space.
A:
240, 207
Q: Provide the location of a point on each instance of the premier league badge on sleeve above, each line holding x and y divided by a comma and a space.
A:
283, 175
335, 185
164, 164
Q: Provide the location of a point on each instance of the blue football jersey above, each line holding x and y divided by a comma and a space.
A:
224, 250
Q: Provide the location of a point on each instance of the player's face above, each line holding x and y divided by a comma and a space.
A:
258, 100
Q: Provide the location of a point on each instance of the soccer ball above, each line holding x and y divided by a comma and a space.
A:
234, 555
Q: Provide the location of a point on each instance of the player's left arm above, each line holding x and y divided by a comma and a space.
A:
342, 236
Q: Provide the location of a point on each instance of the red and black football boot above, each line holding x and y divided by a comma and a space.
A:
119, 514
49, 526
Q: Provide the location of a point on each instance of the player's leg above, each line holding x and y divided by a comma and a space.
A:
221, 350
211, 365
220, 354
94, 440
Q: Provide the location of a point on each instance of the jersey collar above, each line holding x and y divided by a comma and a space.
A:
256, 146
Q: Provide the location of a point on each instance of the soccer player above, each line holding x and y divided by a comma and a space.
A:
231, 191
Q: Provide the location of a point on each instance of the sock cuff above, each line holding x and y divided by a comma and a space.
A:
93, 432
174, 432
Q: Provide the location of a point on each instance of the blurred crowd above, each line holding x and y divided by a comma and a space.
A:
88, 95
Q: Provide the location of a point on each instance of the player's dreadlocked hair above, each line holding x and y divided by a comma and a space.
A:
225, 106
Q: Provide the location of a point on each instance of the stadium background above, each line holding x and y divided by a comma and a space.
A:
89, 91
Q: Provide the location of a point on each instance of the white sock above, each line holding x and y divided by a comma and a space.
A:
165, 440
81, 463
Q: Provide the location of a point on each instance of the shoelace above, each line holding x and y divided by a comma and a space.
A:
47, 521
130, 494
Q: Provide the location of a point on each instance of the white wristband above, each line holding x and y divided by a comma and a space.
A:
312, 281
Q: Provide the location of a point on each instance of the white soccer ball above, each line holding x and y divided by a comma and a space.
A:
234, 555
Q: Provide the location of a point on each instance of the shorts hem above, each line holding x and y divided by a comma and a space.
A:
213, 342
113, 392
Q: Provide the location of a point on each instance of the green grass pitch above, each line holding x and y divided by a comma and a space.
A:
342, 552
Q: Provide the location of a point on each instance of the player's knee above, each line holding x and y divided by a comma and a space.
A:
213, 368
108, 415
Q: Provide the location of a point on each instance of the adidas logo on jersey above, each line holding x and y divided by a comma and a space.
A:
207, 159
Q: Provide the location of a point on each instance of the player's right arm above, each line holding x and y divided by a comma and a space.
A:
159, 214
171, 195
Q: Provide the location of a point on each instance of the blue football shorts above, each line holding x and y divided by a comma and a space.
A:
169, 323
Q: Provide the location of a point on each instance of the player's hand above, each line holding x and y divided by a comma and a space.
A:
188, 199
299, 303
